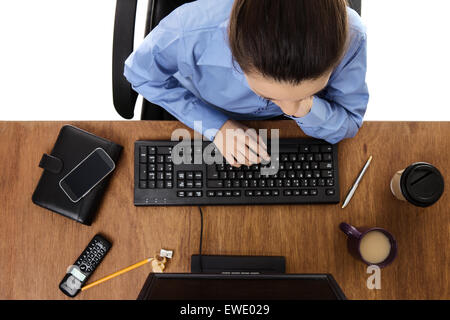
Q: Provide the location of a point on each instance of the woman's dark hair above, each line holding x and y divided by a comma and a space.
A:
288, 40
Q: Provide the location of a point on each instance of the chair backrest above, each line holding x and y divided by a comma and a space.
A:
355, 5
124, 96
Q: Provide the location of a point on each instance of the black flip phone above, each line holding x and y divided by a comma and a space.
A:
87, 174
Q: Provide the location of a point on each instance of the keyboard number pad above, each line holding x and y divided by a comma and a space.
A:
155, 168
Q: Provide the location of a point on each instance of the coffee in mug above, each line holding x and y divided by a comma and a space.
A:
421, 184
374, 246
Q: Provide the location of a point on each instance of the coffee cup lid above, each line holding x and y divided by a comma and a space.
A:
422, 184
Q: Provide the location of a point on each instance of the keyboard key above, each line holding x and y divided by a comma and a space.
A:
275, 193
304, 149
228, 193
181, 175
236, 193
169, 184
189, 194
288, 148
151, 150
142, 184
326, 165
142, 171
181, 194
189, 184
211, 172
210, 193
327, 157
326, 148
327, 174
314, 149
198, 175
198, 194
198, 184
215, 184
164, 150
249, 193
288, 193
330, 192
160, 184
313, 192
142, 154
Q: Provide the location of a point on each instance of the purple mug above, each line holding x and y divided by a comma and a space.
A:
354, 242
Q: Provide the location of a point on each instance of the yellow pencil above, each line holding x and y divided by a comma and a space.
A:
118, 273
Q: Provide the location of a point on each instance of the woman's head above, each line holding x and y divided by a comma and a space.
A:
288, 48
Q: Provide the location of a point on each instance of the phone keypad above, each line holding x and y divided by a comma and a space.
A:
92, 256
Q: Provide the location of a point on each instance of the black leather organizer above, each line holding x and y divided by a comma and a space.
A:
71, 147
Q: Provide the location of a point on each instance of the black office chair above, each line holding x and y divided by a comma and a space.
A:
123, 95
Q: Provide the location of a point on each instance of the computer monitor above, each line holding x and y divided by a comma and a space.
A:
166, 286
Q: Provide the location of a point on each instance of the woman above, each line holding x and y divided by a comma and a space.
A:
219, 61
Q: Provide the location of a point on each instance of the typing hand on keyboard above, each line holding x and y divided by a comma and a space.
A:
305, 171
240, 145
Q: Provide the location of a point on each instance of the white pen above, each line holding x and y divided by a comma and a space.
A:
355, 185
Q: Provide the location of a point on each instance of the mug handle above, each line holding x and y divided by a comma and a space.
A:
350, 230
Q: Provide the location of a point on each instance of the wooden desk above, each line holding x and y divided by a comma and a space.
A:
36, 245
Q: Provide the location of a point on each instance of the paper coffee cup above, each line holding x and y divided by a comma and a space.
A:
421, 184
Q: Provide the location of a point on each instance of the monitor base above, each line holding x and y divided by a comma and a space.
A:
238, 264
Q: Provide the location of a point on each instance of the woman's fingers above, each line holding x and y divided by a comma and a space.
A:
259, 148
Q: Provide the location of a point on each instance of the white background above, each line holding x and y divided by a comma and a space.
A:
55, 59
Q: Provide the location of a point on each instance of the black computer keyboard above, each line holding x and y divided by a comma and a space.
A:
308, 173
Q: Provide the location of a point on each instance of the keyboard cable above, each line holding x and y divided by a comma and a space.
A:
201, 239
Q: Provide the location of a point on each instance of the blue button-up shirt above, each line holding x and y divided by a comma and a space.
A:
185, 65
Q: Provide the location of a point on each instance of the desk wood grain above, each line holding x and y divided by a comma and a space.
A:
36, 246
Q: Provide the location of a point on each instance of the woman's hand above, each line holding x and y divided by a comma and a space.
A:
240, 145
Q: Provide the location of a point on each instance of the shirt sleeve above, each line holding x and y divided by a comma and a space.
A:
151, 68
339, 113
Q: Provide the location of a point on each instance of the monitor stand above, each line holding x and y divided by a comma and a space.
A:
238, 264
